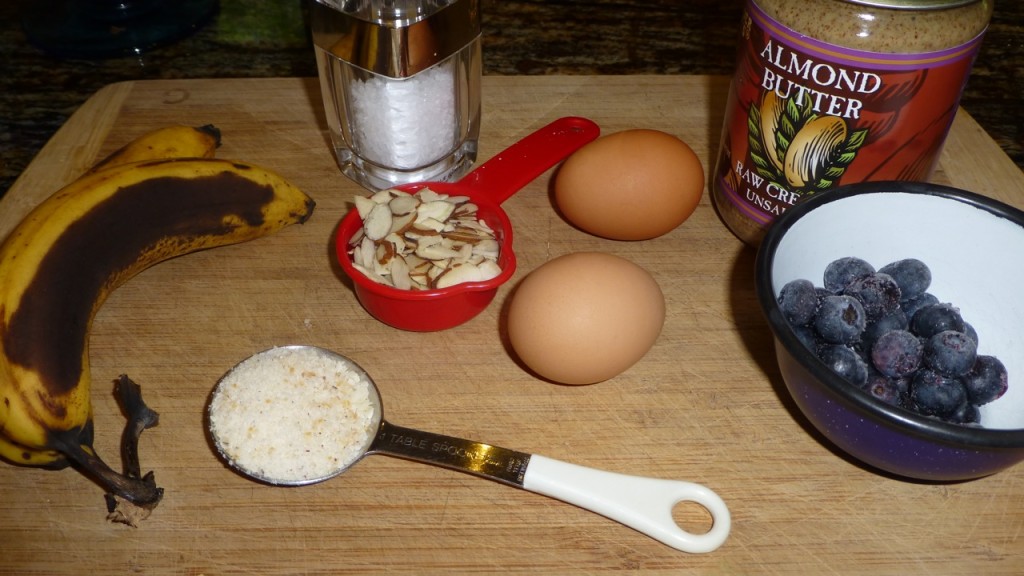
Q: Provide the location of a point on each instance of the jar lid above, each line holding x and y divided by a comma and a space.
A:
915, 4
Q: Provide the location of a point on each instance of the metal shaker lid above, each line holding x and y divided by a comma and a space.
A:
383, 39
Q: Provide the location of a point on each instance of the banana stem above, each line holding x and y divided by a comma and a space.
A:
142, 492
132, 486
140, 417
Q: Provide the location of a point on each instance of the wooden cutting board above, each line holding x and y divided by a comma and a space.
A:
706, 404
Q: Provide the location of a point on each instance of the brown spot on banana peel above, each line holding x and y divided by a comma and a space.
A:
18, 454
158, 218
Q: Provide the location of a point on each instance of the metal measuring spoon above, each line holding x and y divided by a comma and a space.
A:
644, 504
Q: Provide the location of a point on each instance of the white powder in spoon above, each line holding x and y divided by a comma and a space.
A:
292, 415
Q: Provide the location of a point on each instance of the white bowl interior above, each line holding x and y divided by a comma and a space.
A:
976, 259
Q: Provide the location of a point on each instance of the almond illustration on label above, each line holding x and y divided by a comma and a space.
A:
797, 149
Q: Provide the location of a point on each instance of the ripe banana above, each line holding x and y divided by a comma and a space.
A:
61, 262
167, 142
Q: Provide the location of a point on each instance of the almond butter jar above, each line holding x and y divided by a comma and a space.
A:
830, 92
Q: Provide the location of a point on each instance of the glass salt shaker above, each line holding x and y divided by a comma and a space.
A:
400, 81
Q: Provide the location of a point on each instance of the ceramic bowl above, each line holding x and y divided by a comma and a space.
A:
975, 248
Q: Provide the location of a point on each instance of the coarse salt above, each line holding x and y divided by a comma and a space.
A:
293, 415
406, 123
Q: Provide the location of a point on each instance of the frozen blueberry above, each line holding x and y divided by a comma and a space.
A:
841, 272
933, 394
845, 362
931, 320
971, 332
798, 301
878, 293
896, 320
840, 319
808, 337
889, 390
966, 414
913, 276
950, 353
986, 381
897, 353
910, 307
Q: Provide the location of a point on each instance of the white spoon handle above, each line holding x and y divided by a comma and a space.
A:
644, 504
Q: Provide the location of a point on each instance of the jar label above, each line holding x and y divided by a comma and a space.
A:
804, 116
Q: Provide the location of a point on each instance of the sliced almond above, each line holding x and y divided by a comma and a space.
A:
428, 195
398, 242
433, 273
372, 275
435, 252
438, 210
422, 240
378, 222
489, 269
403, 204
363, 206
465, 252
464, 210
488, 248
365, 253
458, 274
384, 253
400, 274
465, 234
382, 197
402, 222
430, 224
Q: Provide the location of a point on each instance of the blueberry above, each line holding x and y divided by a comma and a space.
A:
889, 390
933, 394
931, 320
808, 337
897, 353
845, 362
878, 293
950, 353
966, 414
910, 307
986, 381
841, 272
798, 301
971, 332
896, 320
912, 276
840, 319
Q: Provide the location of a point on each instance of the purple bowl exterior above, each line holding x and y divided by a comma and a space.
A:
887, 437
880, 443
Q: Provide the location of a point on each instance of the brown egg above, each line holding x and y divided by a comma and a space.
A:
585, 317
630, 185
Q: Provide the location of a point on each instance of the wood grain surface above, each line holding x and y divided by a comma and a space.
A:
706, 404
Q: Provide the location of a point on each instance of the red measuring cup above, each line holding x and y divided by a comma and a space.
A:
488, 186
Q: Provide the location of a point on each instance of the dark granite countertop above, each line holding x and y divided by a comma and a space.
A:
268, 38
